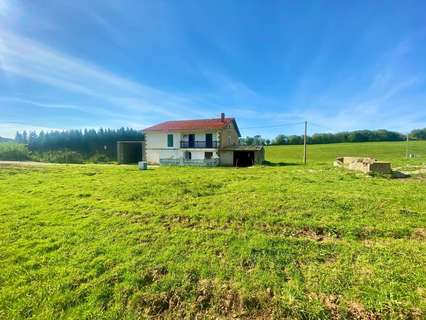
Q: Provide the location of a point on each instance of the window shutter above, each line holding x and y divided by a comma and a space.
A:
170, 140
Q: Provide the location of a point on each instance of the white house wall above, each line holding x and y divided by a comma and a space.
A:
156, 146
153, 156
158, 140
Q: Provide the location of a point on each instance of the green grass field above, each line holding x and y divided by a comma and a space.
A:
315, 242
326, 153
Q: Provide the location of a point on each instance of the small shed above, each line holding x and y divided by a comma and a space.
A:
242, 156
130, 151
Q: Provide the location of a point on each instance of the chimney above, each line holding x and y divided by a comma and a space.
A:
222, 117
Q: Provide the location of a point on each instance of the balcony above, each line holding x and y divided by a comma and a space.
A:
199, 144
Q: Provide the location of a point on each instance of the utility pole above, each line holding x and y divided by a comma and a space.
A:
304, 142
406, 146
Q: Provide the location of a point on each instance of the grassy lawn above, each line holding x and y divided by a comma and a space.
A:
326, 153
112, 242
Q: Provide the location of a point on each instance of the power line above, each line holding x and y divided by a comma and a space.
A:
288, 124
274, 126
320, 126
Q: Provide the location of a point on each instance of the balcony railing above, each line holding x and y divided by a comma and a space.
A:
199, 144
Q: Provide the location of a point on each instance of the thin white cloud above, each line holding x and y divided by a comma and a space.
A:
385, 109
226, 84
113, 32
28, 59
379, 106
41, 104
391, 100
49, 105
9, 129
375, 105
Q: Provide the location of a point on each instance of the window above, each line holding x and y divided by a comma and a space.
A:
187, 155
191, 140
208, 155
170, 140
229, 140
209, 140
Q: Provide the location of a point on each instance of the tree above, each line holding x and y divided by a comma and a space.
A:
19, 138
24, 137
247, 141
294, 139
258, 140
87, 143
280, 139
351, 136
419, 134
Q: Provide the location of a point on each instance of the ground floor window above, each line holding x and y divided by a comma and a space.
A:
208, 155
187, 155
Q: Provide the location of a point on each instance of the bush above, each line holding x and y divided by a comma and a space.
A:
59, 156
99, 158
11, 151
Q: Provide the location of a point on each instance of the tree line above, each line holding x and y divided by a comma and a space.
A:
87, 142
345, 136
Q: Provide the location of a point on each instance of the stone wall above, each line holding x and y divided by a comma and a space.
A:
366, 165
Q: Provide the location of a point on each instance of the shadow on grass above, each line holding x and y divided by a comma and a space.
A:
399, 175
392, 175
280, 164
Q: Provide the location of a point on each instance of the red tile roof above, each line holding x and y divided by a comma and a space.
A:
202, 124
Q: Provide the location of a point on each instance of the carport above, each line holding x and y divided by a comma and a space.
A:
130, 151
242, 156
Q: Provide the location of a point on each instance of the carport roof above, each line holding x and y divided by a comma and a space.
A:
243, 148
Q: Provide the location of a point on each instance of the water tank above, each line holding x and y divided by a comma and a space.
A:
142, 165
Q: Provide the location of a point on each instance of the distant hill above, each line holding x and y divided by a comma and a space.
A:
5, 139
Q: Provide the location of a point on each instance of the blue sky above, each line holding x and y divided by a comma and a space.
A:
340, 65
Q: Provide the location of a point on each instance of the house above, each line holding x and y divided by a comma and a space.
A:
204, 142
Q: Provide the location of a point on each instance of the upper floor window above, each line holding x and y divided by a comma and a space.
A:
170, 140
229, 140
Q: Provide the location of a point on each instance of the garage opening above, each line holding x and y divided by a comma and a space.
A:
130, 151
243, 158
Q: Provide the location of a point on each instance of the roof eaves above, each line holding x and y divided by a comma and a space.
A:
236, 127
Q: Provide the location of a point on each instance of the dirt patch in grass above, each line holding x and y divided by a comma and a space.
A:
155, 304
331, 303
357, 311
419, 234
319, 235
205, 294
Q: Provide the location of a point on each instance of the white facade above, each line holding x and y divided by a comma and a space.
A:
158, 147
